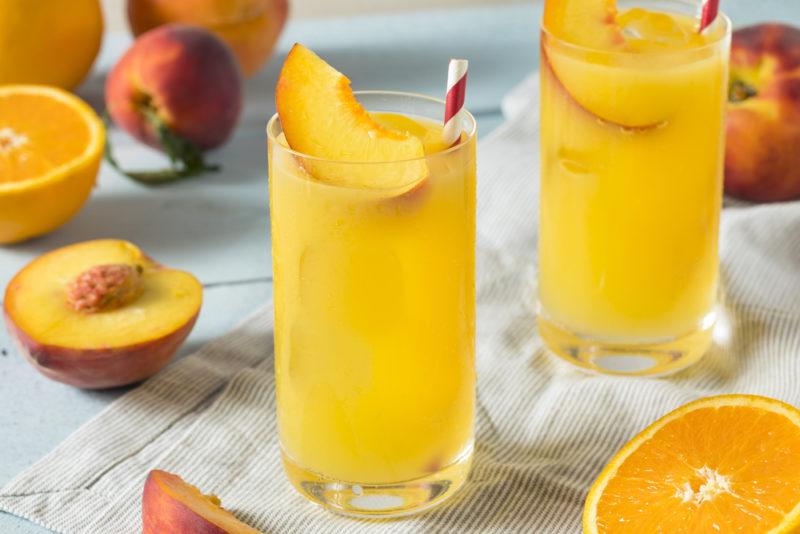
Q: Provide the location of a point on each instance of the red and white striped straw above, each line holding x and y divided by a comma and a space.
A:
708, 13
454, 101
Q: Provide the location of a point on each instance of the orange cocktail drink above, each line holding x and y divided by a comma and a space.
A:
374, 308
632, 108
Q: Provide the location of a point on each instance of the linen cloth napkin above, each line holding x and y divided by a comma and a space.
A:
544, 431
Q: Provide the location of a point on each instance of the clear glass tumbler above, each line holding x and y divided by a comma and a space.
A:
375, 322
631, 190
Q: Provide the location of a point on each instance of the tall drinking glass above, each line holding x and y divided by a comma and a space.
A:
375, 321
631, 187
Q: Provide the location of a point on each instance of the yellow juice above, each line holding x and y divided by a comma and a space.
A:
374, 316
631, 185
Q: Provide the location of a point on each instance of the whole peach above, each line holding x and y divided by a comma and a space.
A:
184, 75
762, 158
250, 27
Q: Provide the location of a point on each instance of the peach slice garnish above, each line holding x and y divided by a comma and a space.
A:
589, 23
432, 138
612, 96
170, 505
321, 117
617, 89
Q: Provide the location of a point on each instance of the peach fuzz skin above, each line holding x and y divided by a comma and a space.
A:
762, 159
99, 368
250, 27
170, 505
190, 78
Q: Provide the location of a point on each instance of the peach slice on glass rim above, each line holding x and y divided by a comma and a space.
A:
100, 314
170, 505
321, 118
586, 23
591, 52
608, 94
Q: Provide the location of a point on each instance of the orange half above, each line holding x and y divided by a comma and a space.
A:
729, 463
51, 144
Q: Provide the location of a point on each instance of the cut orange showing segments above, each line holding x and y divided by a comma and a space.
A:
721, 464
51, 143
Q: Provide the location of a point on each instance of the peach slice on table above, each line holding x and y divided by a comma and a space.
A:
100, 314
170, 505
321, 117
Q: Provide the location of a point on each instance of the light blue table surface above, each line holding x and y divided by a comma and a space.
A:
217, 226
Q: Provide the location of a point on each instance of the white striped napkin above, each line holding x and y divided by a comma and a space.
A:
544, 431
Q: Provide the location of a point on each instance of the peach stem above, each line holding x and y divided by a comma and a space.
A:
186, 160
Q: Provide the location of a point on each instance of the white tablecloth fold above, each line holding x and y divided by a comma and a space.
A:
544, 431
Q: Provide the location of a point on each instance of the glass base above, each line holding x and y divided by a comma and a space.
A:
635, 359
379, 500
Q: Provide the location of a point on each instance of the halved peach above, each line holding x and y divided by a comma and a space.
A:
321, 117
100, 314
170, 505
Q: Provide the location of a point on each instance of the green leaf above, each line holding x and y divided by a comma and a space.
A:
186, 160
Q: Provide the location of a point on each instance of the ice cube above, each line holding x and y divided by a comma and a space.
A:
644, 30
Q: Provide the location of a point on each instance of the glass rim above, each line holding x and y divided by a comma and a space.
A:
627, 53
453, 149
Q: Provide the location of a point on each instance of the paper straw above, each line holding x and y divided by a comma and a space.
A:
708, 13
454, 101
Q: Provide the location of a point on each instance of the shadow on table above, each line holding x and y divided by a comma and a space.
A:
507, 495
169, 223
